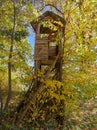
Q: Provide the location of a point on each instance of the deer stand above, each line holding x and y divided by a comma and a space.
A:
48, 52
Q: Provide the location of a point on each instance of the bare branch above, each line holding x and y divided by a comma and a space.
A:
53, 7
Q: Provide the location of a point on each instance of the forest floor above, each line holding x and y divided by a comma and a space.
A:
86, 117
83, 119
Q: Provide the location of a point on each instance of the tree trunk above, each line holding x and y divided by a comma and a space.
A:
1, 102
9, 60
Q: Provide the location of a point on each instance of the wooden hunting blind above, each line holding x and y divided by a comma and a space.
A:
46, 29
49, 52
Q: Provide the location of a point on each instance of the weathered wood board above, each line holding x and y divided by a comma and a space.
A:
41, 48
53, 51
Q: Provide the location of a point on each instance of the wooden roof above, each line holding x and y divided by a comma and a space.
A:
45, 17
52, 15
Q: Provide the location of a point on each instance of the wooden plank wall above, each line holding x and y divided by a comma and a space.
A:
41, 48
53, 51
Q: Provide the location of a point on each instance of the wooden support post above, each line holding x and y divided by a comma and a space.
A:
38, 29
37, 68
